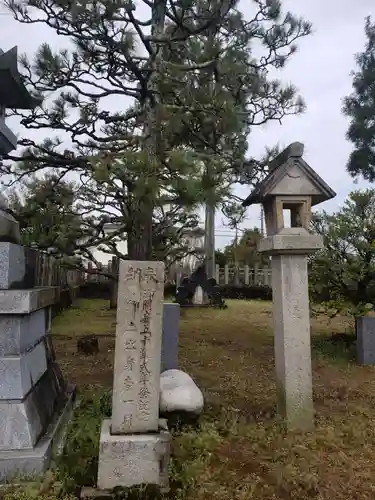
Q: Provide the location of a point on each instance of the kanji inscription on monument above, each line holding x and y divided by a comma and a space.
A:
136, 387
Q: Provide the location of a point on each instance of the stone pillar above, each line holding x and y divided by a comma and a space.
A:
226, 274
217, 274
171, 330
365, 329
246, 275
34, 401
291, 318
134, 445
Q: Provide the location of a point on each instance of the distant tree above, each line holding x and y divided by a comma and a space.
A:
246, 252
190, 101
48, 215
220, 258
360, 108
342, 274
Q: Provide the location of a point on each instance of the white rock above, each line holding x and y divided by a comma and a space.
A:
179, 392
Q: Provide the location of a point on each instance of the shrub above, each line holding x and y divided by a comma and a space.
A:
246, 292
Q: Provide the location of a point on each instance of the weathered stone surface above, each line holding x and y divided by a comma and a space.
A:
291, 318
12, 265
130, 460
299, 243
22, 422
31, 463
27, 301
136, 387
18, 374
365, 326
171, 330
179, 393
19, 333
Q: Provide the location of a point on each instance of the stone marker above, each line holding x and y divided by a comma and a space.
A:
171, 329
365, 326
293, 185
134, 449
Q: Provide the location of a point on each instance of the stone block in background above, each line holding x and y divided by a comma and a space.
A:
19, 374
365, 327
171, 330
19, 333
133, 459
12, 266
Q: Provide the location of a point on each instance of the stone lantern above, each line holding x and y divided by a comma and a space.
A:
291, 184
13, 95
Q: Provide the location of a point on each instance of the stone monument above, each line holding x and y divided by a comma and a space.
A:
34, 400
134, 443
291, 184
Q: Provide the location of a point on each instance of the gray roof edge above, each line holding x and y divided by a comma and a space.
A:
274, 176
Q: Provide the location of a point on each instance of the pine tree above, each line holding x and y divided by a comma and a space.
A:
134, 161
360, 108
48, 216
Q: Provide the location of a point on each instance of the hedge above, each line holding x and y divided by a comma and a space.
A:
246, 292
242, 292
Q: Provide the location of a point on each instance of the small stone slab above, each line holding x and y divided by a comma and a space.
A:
19, 374
27, 301
171, 330
131, 460
12, 265
19, 333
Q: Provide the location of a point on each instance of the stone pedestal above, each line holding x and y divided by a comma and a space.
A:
133, 448
291, 317
34, 401
133, 459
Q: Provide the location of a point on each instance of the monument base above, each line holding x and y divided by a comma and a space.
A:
27, 464
133, 459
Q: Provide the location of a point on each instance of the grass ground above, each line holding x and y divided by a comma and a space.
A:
239, 452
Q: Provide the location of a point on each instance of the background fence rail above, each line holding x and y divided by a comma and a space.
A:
227, 275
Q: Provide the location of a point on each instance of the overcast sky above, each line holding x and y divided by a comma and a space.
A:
321, 71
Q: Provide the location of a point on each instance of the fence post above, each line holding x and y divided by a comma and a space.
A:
114, 283
179, 271
89, 269
266, 276
217, 274
247, 275
256, 274
226, 274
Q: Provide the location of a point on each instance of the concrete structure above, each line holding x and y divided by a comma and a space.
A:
291, 185
134, 449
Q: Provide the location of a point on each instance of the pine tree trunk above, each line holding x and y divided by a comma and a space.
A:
140, 235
